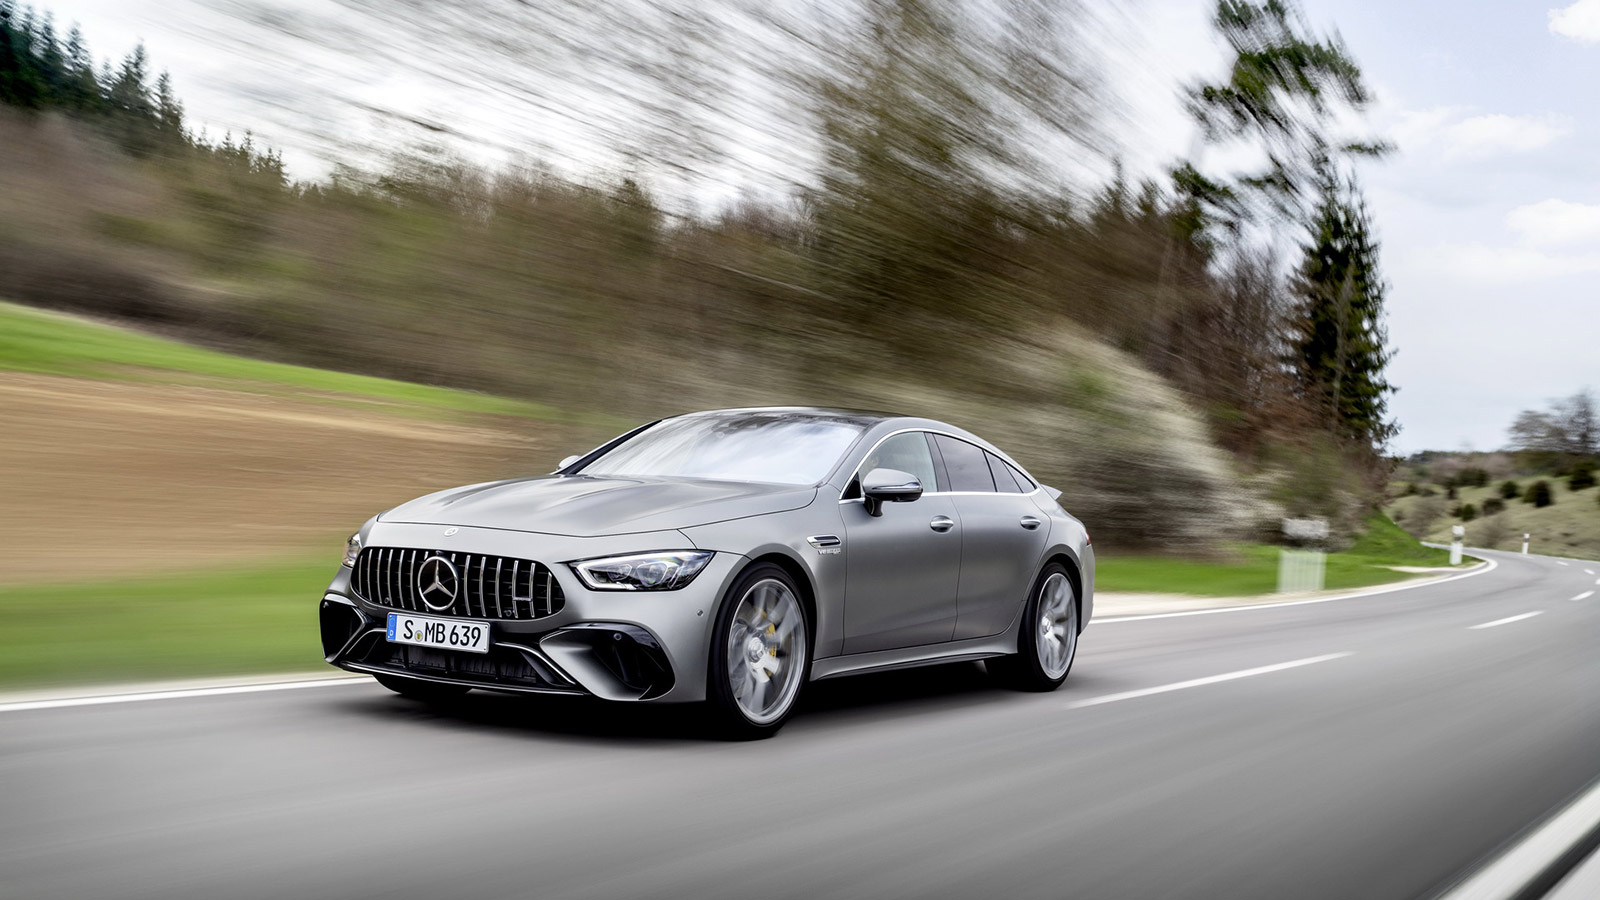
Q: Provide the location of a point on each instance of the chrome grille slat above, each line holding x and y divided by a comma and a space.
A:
516, 571
483, 563
387, 576
498, 566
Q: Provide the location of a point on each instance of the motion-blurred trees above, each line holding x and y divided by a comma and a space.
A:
1283, 95
933, 247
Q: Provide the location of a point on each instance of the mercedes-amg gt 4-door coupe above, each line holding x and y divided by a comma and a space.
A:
726, 557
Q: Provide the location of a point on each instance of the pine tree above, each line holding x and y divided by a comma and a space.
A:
20, 82
1339, 349
82, 91
169, 112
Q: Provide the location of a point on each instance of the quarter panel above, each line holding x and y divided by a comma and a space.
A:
999, 560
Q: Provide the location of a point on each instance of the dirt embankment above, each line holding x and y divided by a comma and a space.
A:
106, 478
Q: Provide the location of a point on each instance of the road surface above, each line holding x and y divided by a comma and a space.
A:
1376, 747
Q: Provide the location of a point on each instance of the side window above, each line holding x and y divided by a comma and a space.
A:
965, 464
1003, 482
907, 452
1023, 481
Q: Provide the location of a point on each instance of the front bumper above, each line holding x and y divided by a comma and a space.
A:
616, 645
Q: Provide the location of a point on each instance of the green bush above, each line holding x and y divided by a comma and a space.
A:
1493, 505
1411, 489
1468, 512
1450, 492
1471, 477
1582, 475
1509, 490
1539, 494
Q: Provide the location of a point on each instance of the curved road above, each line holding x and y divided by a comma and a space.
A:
1375, 747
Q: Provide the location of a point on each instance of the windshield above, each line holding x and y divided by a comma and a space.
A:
773, 447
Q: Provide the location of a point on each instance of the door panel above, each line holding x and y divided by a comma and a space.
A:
999, 559
901, 574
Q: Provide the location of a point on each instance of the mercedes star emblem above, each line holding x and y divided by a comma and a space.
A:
437, 582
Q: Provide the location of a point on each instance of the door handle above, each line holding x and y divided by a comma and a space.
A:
942, 524
1030, 522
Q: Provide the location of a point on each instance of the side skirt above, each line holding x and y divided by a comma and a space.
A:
909, 657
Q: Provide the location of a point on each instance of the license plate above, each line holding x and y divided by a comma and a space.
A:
451, 634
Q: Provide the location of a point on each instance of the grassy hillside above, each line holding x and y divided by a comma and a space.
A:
1568, 527
40, 341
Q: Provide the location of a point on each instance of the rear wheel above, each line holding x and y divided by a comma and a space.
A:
760, 654
417, 689
1048, 639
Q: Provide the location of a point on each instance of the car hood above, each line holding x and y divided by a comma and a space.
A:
582, 505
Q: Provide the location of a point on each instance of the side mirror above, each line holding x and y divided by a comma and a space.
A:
567, 462
882, 486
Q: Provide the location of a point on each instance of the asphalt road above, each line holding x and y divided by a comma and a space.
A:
1382, 773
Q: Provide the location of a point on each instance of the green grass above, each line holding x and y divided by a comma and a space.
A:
1254, 567
224, 622
49, 343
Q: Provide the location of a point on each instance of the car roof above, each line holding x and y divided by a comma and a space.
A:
856, 416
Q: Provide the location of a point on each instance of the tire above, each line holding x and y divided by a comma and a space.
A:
1047, 641
760, 655
425, 691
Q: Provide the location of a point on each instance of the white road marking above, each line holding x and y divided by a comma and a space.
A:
179, 695
1588, 571
1560, 562
1506, 621
1213, 679
1509, 874
1490, 567
1584, 596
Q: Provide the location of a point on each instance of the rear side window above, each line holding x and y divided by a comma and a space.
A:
1003, 480
965, 464
1023, 481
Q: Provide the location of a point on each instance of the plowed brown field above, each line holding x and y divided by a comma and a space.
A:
101, 478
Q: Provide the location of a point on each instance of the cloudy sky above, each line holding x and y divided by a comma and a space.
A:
1489, 213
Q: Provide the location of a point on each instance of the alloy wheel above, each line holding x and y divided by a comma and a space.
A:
766, 651
1057, 640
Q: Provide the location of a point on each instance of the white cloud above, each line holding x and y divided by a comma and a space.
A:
1580, 21
1459, 135
1556, 223
1479, 264
1495, 133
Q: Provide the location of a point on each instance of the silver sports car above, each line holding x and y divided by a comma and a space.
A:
729, 557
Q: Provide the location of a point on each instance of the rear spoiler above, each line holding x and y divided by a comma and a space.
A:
1054, 494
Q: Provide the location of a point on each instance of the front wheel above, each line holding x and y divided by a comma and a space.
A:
1048, 639
760, 654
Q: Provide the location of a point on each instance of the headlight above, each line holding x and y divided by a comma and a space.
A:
664, 571
352, 549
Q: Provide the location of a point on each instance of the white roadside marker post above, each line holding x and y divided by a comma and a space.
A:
1525, 537
1456, 533
1301, 567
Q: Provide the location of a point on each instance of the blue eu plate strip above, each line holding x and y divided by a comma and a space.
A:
392, 617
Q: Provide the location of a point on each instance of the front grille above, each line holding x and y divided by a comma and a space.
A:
489, 587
